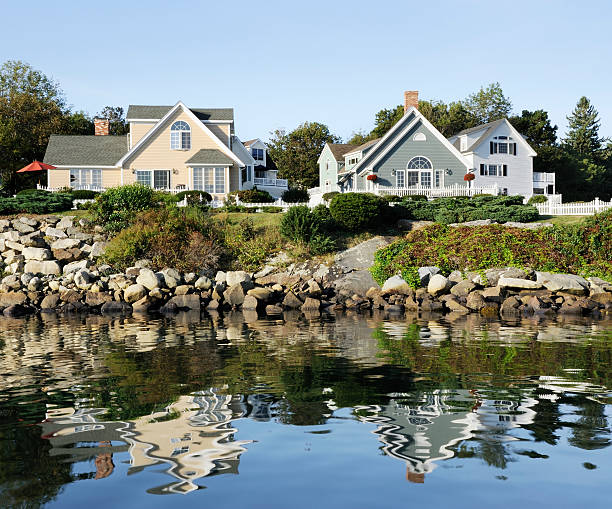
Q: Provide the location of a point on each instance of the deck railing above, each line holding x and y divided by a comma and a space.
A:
270, 182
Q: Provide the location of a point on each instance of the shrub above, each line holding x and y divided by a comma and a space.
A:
194, 196
299, 224
36, 202
329, 196
31, 191
415, 197
182, 238
321, 244
537, 198
254, 196
84, 194
324, 218
392, 198
355, 211
271, 209
296, 196
115, 207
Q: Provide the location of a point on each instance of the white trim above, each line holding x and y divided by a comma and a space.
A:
214, 165
93, 167
142, 120
161, 122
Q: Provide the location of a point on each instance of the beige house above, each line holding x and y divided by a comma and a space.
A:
172, 148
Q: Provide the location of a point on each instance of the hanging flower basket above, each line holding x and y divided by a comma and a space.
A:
372, 177
468, 177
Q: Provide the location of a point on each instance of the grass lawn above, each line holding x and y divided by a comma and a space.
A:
260, 219
561, 220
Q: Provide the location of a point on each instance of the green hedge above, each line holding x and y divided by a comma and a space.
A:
116, 207
254, 196
296, 196
84, 194
193, 197
329, 196
537, 198
36, 202
356, 211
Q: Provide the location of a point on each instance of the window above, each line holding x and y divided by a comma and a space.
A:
463, 143
258, 154
400, 178
157, 179
507, 146
85, 179
494, 170
502, 148
419, 137
421, 171
180, 136
211, 180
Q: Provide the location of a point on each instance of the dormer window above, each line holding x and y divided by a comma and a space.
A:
258, 154
463, 143
180, 136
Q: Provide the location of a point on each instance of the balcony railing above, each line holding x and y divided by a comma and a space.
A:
270, 182
543, 177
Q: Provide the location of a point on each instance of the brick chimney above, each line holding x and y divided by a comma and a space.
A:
101, 126
411, 98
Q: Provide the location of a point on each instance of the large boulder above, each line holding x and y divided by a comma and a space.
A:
236, 277
359, 281
65, 243
149, 279
12, 298
95, 299
396, 284
50, 301
203, 283
172, 278
76, 266
462, 288
134, 292
116, 307
360, 256
55, 233
83, 279
425, 274
567, 283
234, 295
262, 294
250, 303
191, 301
438, 285
48, 267
513, 282
291, 301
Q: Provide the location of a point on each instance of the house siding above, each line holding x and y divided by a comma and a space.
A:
432, 148
61, 178
520, 167
221, 131
138, 130
328, 173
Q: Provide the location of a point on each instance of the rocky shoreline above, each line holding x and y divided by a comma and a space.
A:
52, 265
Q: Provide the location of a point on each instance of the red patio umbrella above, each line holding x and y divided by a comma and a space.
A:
36, 166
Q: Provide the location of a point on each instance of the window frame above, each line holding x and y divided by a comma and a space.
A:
152, 178
180, 138
213, 179
92, 178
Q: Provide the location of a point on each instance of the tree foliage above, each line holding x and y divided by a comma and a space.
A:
488, 104
583, 133
116, 118
296, 153
536, 127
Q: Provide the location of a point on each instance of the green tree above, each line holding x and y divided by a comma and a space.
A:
32, 107
359, 138
583, 133
385, 119
536, 127
116, 118
78, 123
296, 153
488, 104
448, 119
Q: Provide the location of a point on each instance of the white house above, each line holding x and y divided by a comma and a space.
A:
266, 173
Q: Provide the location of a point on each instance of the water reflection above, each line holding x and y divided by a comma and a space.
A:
106, 398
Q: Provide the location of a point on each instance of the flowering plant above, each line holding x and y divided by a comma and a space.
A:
372, 177
469, 177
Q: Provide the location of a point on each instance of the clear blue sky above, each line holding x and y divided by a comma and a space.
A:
281, 63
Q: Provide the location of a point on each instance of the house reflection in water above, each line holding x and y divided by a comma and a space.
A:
421, 428
193, 437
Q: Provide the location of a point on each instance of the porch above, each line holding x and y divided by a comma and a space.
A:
544, 183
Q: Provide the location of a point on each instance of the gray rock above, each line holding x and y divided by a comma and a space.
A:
46, 267
143, 305
262, 294
65, 243
234, 295
51, 301
203, 283
149, 279
456, 276
527, 226
567, 283
22, 227
172, 278
291, 301
475, 301
396, 284
454, 305
220, 277
95, 299
438, 285
55, 233
30, 221
143, 264
511, 282
83, 279
17, 310
478, 222
515, 272
36, 253
35, 284
250, 303
74, 266
134, 292
274, 310
12, 298
311, 304
191, 301
97, 249
360, 256
268, 269
463, 288
13, 282
425, 274
65, 223
359, 281
236, 277
598, 285
183, 290
510, 306
116, 307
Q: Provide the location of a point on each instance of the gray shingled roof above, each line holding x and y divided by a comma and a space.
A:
364, 146
488, 129
85, 150
495, 123
210, 156
136, 111
339, 149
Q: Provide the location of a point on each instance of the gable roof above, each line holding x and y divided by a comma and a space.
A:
70, 150
249, 142
488, 130
179, 105
146, 112
339, 149
410, 119
209, 156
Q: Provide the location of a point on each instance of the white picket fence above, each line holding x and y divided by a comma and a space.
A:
573, 209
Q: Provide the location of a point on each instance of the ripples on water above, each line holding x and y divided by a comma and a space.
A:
334, 411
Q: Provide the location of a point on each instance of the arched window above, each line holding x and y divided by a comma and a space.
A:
419, 137
419, 171
180, 136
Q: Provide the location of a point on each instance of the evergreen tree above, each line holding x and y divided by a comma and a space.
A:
488, 104
583, 133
